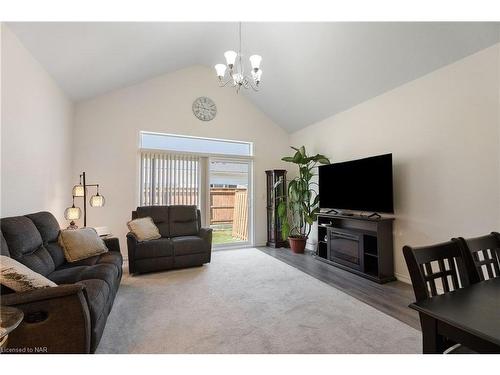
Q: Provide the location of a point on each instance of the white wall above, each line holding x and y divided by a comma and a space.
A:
106, 137
35, 135
443, 131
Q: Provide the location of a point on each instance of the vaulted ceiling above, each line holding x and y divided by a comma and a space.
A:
310, 70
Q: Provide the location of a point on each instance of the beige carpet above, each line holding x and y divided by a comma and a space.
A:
246, 302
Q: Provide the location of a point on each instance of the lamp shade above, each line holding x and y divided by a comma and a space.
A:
78, 190
97, 200
72, 213
230, 57
221, 70
255, 61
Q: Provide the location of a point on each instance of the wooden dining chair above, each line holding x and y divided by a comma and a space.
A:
443, 262
484, 259
437, 269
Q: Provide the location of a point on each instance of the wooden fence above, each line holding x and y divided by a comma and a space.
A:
230, 206
240, 216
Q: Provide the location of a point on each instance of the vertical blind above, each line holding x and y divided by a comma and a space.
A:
169, 179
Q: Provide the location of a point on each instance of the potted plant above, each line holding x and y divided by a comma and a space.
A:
299, 211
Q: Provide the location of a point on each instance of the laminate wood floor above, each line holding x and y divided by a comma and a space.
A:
391, 298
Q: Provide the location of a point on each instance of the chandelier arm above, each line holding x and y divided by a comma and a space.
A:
252, 84
249, 82
224, 84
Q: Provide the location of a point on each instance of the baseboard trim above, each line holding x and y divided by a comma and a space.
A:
402, 277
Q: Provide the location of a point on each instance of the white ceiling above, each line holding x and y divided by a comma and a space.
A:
310, 70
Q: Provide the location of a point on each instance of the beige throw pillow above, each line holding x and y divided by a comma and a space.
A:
19, 278
81, 244
144, 229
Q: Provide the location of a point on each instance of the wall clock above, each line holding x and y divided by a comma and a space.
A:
204, 108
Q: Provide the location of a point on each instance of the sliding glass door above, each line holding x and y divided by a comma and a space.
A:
213, 174
229, 213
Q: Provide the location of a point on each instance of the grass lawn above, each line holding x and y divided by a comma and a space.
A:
223, 236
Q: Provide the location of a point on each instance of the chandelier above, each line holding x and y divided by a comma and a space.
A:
236, 71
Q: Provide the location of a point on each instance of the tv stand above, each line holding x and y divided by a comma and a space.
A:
359, 244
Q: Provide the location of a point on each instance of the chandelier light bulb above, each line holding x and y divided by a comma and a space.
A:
221, 70
255, 61
230, 58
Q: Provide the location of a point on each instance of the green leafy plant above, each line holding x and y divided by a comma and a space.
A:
299, 211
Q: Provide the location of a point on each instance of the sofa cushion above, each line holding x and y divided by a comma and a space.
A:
81, 243
159, 214
49, 229
188, 245
56, 252
46, 224
161, 247
111, 257
26, 245
70, 275
18, 277
183, 221
144, 229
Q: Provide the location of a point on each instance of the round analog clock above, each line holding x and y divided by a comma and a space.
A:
204, 108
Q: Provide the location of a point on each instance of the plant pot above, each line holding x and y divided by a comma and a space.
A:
297, 244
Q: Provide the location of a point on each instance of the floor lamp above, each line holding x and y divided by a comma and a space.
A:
80, 191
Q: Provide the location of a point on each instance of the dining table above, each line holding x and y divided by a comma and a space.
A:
468, 316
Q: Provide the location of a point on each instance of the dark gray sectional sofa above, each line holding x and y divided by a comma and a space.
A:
69, 318
183, 242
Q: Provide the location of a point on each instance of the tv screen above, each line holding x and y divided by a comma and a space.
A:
362, 185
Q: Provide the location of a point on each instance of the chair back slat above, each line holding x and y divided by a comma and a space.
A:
444, 277
484, 255
429, 278
448, 261
454, 278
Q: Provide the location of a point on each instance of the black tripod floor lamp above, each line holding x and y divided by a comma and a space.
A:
81, 191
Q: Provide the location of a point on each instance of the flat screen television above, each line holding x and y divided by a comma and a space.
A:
361, 185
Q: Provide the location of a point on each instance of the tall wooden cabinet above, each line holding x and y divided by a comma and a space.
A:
273, 221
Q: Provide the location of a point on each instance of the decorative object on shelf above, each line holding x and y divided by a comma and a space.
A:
204, 108
236, 75
81, 190
10, 318
300, 198
274, 222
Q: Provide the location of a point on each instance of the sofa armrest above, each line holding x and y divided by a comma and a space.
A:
132, 236
56, 320
206, 234
131, 246
37, 295
112, 243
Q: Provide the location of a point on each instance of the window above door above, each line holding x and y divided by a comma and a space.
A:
183, 143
